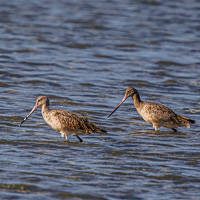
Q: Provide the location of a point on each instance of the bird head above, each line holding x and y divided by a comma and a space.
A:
130, 91
41, 100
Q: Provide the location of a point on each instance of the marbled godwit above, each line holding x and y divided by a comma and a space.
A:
155, 114
67, 123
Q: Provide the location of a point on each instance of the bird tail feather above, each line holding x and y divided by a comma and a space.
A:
185, 121
92, 128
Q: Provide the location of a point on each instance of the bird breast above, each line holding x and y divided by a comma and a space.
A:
146, 113
52, 120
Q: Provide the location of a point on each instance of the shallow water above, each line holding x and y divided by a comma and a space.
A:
83, 54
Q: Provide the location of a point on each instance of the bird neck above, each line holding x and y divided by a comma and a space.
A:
136, 99
45, 108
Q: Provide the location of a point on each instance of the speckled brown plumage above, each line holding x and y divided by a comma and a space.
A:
67, 123
155, 114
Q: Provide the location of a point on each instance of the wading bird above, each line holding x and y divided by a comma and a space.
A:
67, 123
155, 114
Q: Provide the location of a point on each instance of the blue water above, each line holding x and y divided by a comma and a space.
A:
83, 55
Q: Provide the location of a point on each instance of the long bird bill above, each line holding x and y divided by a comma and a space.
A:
34, 109
124, 99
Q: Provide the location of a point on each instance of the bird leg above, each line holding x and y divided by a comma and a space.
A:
156, 128
80, 140
66, 138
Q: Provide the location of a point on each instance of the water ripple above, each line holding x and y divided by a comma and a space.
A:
82, 55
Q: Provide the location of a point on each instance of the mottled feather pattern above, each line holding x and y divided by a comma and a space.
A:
155, 112
161, 115
71, 122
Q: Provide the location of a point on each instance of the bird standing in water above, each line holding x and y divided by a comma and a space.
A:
67, 123
155, 114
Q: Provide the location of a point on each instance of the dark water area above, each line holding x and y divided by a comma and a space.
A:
83, 55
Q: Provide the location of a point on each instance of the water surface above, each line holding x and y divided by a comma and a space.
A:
83, 54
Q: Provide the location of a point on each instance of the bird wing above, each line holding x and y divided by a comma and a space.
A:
72, 122
158, 113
